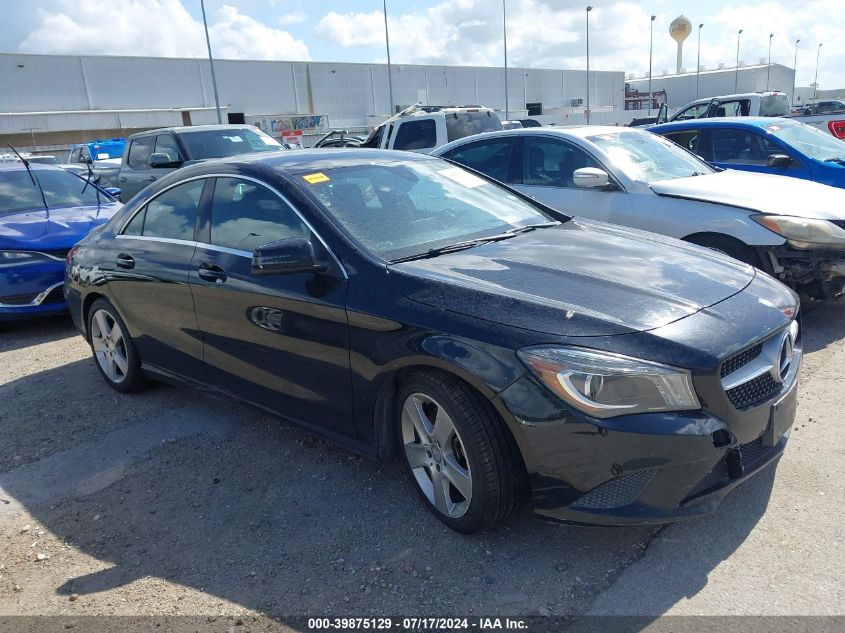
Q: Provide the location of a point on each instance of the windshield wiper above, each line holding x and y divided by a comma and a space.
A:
460, 246
838, 161
33, 177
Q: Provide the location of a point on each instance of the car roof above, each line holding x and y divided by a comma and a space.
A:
740, 121
566, 131
184, 129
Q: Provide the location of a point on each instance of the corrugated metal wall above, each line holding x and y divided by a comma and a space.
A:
347, 93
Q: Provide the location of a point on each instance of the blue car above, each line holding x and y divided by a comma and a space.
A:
762, 144
37, 231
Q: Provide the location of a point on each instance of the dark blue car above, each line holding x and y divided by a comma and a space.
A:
36, 233
762, 144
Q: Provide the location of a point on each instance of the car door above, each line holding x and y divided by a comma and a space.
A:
548, 165
748, 149
135, 172
147, 275
278, 340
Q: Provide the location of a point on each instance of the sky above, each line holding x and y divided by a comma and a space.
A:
541, 33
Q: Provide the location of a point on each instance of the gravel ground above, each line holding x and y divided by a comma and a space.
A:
170, 502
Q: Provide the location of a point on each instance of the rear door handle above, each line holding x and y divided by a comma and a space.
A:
211, 272
150, 178
125, 261
121, 179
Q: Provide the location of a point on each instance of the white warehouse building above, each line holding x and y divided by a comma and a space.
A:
51, 101
688, 86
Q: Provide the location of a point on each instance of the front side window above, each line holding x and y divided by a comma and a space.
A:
166, 144
139, 152
61, 189
489, 157
693, 112
398, 209
648, 157
228, 142
413, 135
171, 215
552, 163
744, 147
246, 215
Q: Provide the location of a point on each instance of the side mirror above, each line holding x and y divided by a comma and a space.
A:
590, 178
161, 160
285, 257
87, 160
663, 114
778, 160
114, 192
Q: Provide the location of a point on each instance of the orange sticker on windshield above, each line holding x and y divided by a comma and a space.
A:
315, 178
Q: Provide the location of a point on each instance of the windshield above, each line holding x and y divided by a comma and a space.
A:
228, 142
774, 105
46, 160
461, 124
648, 157
808, 140
61, 189
399, 209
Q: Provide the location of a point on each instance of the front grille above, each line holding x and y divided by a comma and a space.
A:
17, 300
750, 454
741, 359
616, 493
754, 391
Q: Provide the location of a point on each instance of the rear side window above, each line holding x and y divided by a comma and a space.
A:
139, 152
489, 157
246, 215
462, 124
688, 139
171, 215
416, 135
774, 105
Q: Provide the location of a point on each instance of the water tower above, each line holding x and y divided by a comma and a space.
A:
680, 29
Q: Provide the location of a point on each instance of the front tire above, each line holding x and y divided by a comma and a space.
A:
114, 352
459, 455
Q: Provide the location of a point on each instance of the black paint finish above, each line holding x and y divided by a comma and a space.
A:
328, 349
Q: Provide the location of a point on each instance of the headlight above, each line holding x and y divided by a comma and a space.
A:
606, 385
22, 257
804, 233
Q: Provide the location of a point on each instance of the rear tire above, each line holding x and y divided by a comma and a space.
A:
458, 453
114, 352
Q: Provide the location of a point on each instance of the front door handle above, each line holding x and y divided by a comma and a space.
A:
150, 178
211, 272
125, 261
121, 179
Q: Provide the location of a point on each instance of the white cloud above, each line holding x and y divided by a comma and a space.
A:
294, 17
159, 28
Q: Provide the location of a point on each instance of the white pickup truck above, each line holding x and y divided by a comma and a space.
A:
422, 128
770, 103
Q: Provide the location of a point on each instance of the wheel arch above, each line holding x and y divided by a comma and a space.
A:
87, 302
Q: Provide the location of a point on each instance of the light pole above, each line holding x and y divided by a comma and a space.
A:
650, 50
816, 80
211, 64
769, 67
589, 8
794, 71
736, 73
389, 73
505, 38
698, 61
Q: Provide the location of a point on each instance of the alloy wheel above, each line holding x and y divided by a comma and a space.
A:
435, 453
109, 345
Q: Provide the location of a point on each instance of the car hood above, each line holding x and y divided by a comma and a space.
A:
61, 228
581, 278
764, 193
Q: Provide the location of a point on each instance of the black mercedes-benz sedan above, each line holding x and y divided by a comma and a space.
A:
405, 306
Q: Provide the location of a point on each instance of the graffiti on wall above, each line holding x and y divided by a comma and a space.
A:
280, 126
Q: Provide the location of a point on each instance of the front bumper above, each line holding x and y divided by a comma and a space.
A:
820, 273
31, 290
645, 468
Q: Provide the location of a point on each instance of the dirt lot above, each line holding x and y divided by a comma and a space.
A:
168, 502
